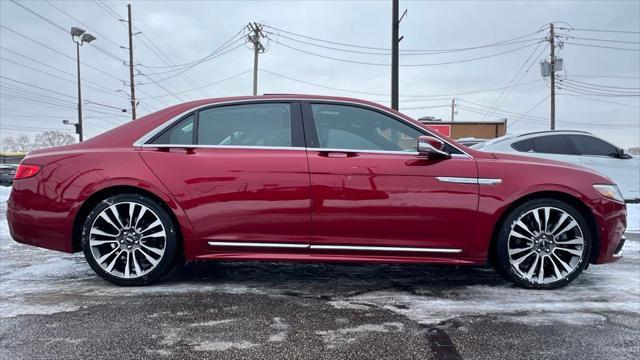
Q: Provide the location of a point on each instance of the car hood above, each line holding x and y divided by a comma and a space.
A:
536, 160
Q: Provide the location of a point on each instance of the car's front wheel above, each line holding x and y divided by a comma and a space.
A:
543, 244
129, 239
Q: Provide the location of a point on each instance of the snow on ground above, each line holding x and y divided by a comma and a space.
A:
4, 193
633, 217
38, 281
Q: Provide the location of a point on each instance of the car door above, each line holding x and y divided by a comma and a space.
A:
371, 189
605, 158
554, 147
240, 173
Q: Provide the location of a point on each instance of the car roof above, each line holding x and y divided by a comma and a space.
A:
553, 132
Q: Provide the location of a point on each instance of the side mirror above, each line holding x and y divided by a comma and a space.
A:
623, 155
429, 145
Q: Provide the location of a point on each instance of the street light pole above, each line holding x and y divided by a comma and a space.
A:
80, 36
79, 127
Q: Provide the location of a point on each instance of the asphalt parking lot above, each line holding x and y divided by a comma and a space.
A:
53, 307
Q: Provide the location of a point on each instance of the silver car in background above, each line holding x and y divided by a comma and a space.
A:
575, 147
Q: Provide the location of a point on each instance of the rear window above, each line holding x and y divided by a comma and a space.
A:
523, 145
179, 134
554, 144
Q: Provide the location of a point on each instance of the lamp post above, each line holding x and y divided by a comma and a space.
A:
80, 36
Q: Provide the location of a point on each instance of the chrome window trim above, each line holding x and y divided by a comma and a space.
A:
221, 147
141, 142
334, 247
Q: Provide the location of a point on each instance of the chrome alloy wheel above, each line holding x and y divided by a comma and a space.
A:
127, 239
545, 245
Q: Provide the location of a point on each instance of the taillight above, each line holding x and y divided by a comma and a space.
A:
26, 171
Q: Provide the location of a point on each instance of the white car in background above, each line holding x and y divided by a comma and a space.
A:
575, 147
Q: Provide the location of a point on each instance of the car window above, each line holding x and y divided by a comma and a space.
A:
523, 145
179, 134
350, 127
588, 145
246, 125
552, 144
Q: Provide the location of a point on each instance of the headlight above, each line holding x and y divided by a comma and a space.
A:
609, 191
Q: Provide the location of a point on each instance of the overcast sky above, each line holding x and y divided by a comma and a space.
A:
505, 82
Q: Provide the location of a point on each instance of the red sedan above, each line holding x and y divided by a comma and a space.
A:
309, 178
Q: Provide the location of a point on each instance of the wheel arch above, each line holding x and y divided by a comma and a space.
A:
95, 198
557, 195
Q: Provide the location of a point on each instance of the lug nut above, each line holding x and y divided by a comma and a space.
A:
135, 242
128, 246
121, 241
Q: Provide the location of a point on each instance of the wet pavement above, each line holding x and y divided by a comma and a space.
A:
52, 306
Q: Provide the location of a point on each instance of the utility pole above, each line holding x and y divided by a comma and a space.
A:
453, 109
254, 37
131, 79
395, 43
553, 76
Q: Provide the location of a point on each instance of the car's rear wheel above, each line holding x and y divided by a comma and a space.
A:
129, 239
543, 244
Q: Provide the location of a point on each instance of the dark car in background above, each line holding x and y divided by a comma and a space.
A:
7, 173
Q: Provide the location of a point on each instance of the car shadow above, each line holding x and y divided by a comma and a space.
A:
337, 279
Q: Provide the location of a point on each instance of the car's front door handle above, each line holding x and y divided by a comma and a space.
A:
337, 154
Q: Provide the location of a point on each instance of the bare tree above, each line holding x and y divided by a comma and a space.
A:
20, 143
53, 138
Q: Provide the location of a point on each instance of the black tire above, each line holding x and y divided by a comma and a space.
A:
165, 262
502, 259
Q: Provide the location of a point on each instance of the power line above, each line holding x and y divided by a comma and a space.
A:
403, 65
513, 82
425, 107
414, 50
179, 67
62, 28
604, 30
58, 52
600, 100
51, 67
386, 94
602, 46
162, 55
588, 91
401, 53
203, 86
56, 76
192, 66
607, 76
599, 86
604, 40
102, 36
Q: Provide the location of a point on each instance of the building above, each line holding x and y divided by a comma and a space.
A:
11, 157
467, 129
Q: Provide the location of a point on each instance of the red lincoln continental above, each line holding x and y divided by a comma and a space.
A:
309, 178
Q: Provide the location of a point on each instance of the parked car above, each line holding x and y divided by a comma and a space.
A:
579, 148
309, 178
7, 172
470, 141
